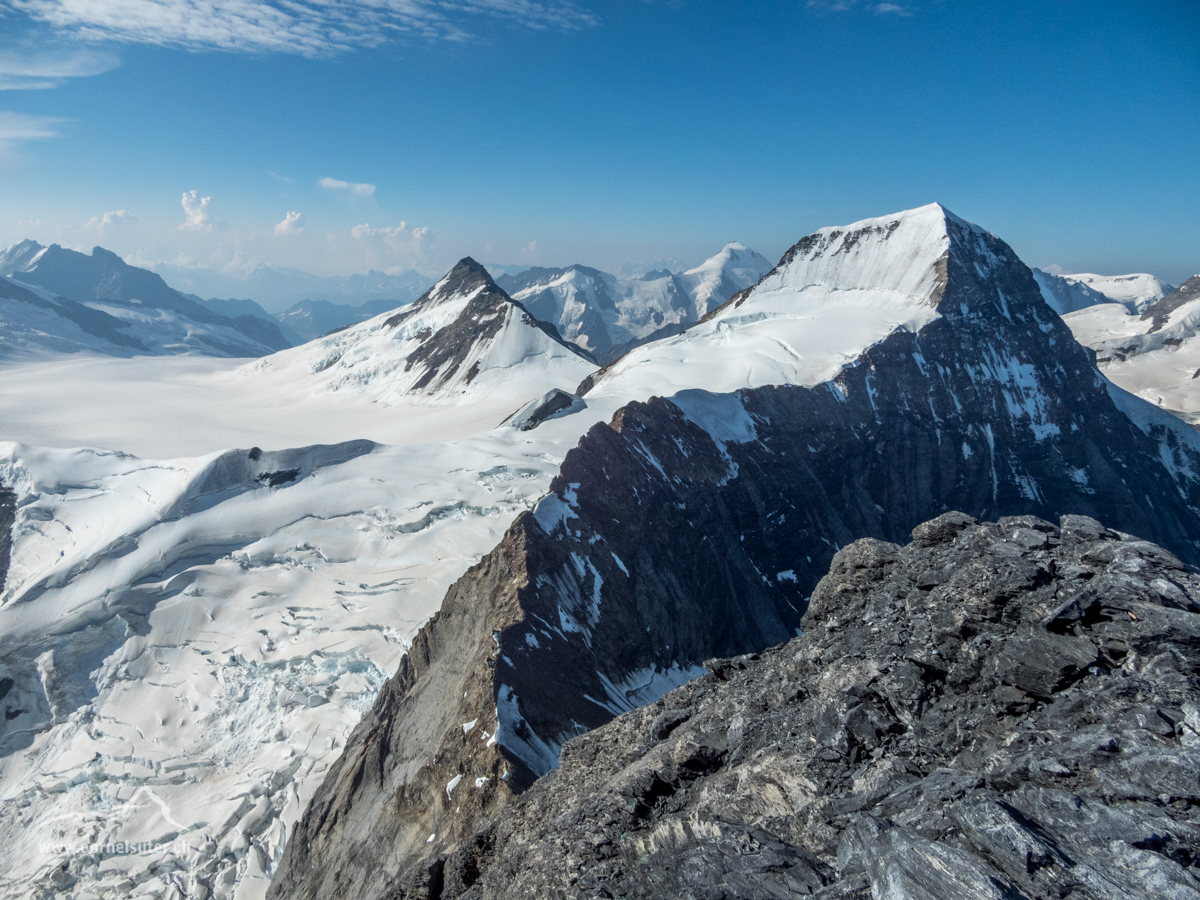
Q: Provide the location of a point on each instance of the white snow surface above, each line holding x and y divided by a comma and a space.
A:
191, 645
376, 359
1161, 367
735, 268
1136, 291
584, 302
801, 324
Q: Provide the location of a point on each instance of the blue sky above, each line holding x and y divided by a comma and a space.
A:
413, 132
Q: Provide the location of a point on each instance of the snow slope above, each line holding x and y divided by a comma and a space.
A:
1066, 296
735, 268
834, 294
35, 322
186, 644
463, 341
1155, 353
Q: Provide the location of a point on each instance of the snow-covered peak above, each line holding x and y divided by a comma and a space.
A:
1136, 291
20, 257
898, 254
734, 268
835, 293
464, 340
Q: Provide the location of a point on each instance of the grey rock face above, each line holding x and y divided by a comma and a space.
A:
8, 508
1027, 727
664, 544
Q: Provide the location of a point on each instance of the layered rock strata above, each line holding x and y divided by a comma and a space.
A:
1003, 710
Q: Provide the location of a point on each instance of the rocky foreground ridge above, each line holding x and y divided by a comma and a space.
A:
1005, 710
698, 527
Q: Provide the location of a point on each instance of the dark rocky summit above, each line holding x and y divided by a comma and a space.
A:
699, 527
993, 711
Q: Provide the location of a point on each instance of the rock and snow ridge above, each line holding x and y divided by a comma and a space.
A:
992, 710
606, 315
463, 341
698, 526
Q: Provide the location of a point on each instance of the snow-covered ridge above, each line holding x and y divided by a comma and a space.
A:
1136, 291
599, 311
835, 293
464, 340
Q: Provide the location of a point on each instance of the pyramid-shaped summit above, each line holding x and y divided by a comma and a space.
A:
463, 340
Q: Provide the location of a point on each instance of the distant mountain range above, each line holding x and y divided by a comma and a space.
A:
62, 300
195, 649
608, 316
276, 290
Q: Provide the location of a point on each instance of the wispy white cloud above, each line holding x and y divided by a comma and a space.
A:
307, 27
17, 127
832, 5
109, 219
398, 231
293, 223
350, 187
396, 241
845, 5
27, 67
195, 208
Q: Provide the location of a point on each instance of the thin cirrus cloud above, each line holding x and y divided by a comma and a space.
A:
306, 27
28, 68
349, 187
17, 127
846, 5
195, 211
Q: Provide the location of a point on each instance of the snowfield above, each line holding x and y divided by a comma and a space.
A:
1154, 357
189, 632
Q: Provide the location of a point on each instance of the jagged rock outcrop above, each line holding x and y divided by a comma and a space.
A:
1000, 710
699, 526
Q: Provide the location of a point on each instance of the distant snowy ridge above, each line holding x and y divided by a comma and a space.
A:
1135, 292
141, 313
1153, 352
465, 339
279, 289
601, 312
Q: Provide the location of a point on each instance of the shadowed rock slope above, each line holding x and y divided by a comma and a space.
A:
698, 527
993, 711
